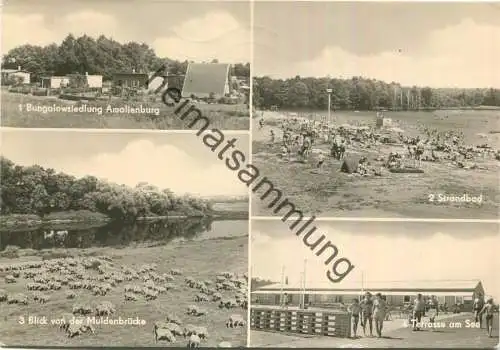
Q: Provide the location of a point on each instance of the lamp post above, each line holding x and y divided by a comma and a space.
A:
329, 91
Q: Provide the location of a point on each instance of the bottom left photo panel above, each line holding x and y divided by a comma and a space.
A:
121, 239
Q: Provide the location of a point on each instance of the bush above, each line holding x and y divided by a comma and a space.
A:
10, 252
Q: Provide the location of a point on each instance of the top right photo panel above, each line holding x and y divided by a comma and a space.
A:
376, 110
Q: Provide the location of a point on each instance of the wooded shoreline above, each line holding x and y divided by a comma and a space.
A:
13, 221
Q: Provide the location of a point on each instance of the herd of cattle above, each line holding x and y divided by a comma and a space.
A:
100, 276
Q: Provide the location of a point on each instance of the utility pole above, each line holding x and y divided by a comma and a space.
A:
329, 91
304, 283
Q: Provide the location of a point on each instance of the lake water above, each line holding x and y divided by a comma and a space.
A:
117, 234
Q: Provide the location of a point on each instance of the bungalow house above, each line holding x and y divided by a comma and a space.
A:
206, 79
131, 80
397, 293
93, 80
55, 82
19, 75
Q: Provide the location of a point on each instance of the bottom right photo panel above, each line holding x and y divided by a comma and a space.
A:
338, 284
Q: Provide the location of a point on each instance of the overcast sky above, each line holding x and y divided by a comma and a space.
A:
433, 44
193, 30
180, 162
383, 251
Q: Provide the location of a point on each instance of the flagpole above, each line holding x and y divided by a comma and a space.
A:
282, 282
362, 282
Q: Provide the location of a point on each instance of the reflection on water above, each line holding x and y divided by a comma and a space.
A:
117, 234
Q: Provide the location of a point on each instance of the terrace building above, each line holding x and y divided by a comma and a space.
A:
397, 293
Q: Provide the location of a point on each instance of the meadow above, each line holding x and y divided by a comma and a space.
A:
201, 260
330, 193
227, 117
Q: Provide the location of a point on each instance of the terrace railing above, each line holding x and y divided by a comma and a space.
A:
312, 322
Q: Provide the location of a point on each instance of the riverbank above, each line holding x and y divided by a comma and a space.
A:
16, 221
202, 260
31, 221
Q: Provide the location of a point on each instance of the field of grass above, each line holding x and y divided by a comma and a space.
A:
201, 260
330, 193
224, 117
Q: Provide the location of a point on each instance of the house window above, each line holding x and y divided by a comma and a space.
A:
407, 298
459, 300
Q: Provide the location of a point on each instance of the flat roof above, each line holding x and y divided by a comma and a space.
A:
358, 292
396, 286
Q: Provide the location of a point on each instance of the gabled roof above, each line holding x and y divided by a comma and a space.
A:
205, 78
380, 286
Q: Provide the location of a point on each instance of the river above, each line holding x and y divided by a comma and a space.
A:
119, 235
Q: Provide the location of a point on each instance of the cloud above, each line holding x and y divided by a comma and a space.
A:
463, 55
440, 257
214, 35
164, 166
91, 23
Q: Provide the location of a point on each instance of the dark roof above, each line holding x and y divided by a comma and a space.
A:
131, 74
205, 78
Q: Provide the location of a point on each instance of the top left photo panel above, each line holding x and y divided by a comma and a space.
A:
161, 65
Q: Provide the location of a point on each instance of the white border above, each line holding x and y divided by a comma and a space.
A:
250, 155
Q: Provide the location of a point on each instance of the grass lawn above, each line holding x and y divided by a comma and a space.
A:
224, 117
202, 260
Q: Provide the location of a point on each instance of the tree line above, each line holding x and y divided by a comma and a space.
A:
102, 56
42, 191
360, 93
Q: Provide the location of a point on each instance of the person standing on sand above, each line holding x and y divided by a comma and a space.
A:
477, 307
489, 310
355, 311
418, 311
379, 310
367, 312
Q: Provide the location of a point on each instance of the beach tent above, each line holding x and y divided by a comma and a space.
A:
350, 164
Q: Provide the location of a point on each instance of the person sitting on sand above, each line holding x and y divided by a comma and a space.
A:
362, 166
321, 160
489, 310
285, 152
355, 310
